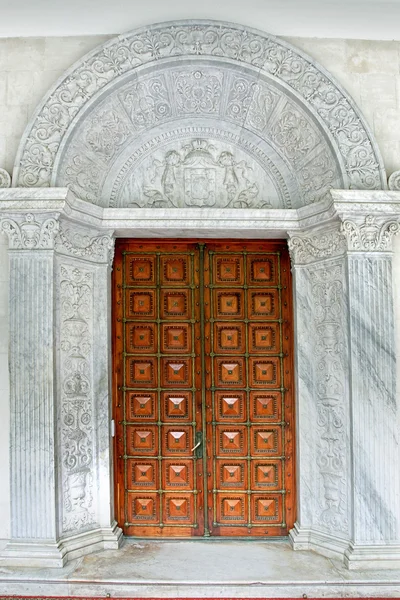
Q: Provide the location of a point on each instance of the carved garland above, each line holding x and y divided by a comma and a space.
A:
273, 57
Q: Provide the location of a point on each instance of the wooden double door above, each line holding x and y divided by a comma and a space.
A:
203, 388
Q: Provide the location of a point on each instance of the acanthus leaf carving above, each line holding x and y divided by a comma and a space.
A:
372, 235
30, 232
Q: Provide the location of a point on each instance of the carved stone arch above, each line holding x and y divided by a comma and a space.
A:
198, 114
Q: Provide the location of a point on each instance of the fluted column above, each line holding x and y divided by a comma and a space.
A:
375, 421
34, 528
60, 471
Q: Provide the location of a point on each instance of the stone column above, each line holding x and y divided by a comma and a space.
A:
34, 527
375, 423
59, 390
348, 413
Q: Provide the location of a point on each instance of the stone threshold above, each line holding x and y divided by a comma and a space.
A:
179, 569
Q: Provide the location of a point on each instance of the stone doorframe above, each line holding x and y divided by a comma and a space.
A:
61, 252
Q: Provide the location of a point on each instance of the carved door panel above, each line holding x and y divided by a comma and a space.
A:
249, 389
203, 388
158, 388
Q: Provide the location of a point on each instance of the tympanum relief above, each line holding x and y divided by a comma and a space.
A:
296, 126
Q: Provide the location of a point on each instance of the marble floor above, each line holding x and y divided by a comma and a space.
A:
201, 569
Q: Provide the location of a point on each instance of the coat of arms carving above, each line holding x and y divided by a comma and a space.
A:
199, 175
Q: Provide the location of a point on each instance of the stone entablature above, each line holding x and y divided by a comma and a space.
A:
61, 249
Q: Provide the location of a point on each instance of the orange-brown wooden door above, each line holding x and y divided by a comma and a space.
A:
203, 388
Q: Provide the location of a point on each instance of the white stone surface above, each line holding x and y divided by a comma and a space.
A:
181, 569
343, 508
48, 58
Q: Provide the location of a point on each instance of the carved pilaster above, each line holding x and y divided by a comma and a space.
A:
318, 264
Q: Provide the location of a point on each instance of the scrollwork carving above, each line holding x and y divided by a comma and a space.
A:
320, 245
328, 294
30, 232
98, 248
320, 96
372, 235
394, 181
76, 324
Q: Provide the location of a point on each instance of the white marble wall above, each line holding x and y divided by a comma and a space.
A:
347, 431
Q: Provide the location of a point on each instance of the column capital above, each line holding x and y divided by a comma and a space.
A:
317, 244
30, 231
370, 233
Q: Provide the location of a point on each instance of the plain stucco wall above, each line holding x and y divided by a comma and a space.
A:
368, 70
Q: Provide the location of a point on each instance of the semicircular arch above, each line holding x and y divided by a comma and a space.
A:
202, 114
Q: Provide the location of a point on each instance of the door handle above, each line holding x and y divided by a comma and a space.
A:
198, 447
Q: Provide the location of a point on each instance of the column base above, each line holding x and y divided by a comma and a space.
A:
57, 554
372, 556
329, 545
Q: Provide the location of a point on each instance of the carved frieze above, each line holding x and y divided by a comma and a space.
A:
80, 244
328, 311
305, 249
76, 411
30, 231
320, 111
373, 234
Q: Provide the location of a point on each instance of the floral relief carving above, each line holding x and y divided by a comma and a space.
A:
324, 244
213, 40
76, 316
198, 92
373, 235
146, 102
83, 177
394, 181
293, 135
98, 248
30, 233
328, 294
5, 179
106, 133
250, 102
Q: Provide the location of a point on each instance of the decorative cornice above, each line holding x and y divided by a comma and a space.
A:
30, 232
82, 244
305, 249
372, 235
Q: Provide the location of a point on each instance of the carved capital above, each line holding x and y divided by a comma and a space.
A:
305, 249
80, 244
373, 234
30, 232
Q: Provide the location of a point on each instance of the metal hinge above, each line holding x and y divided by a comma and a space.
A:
112, 428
